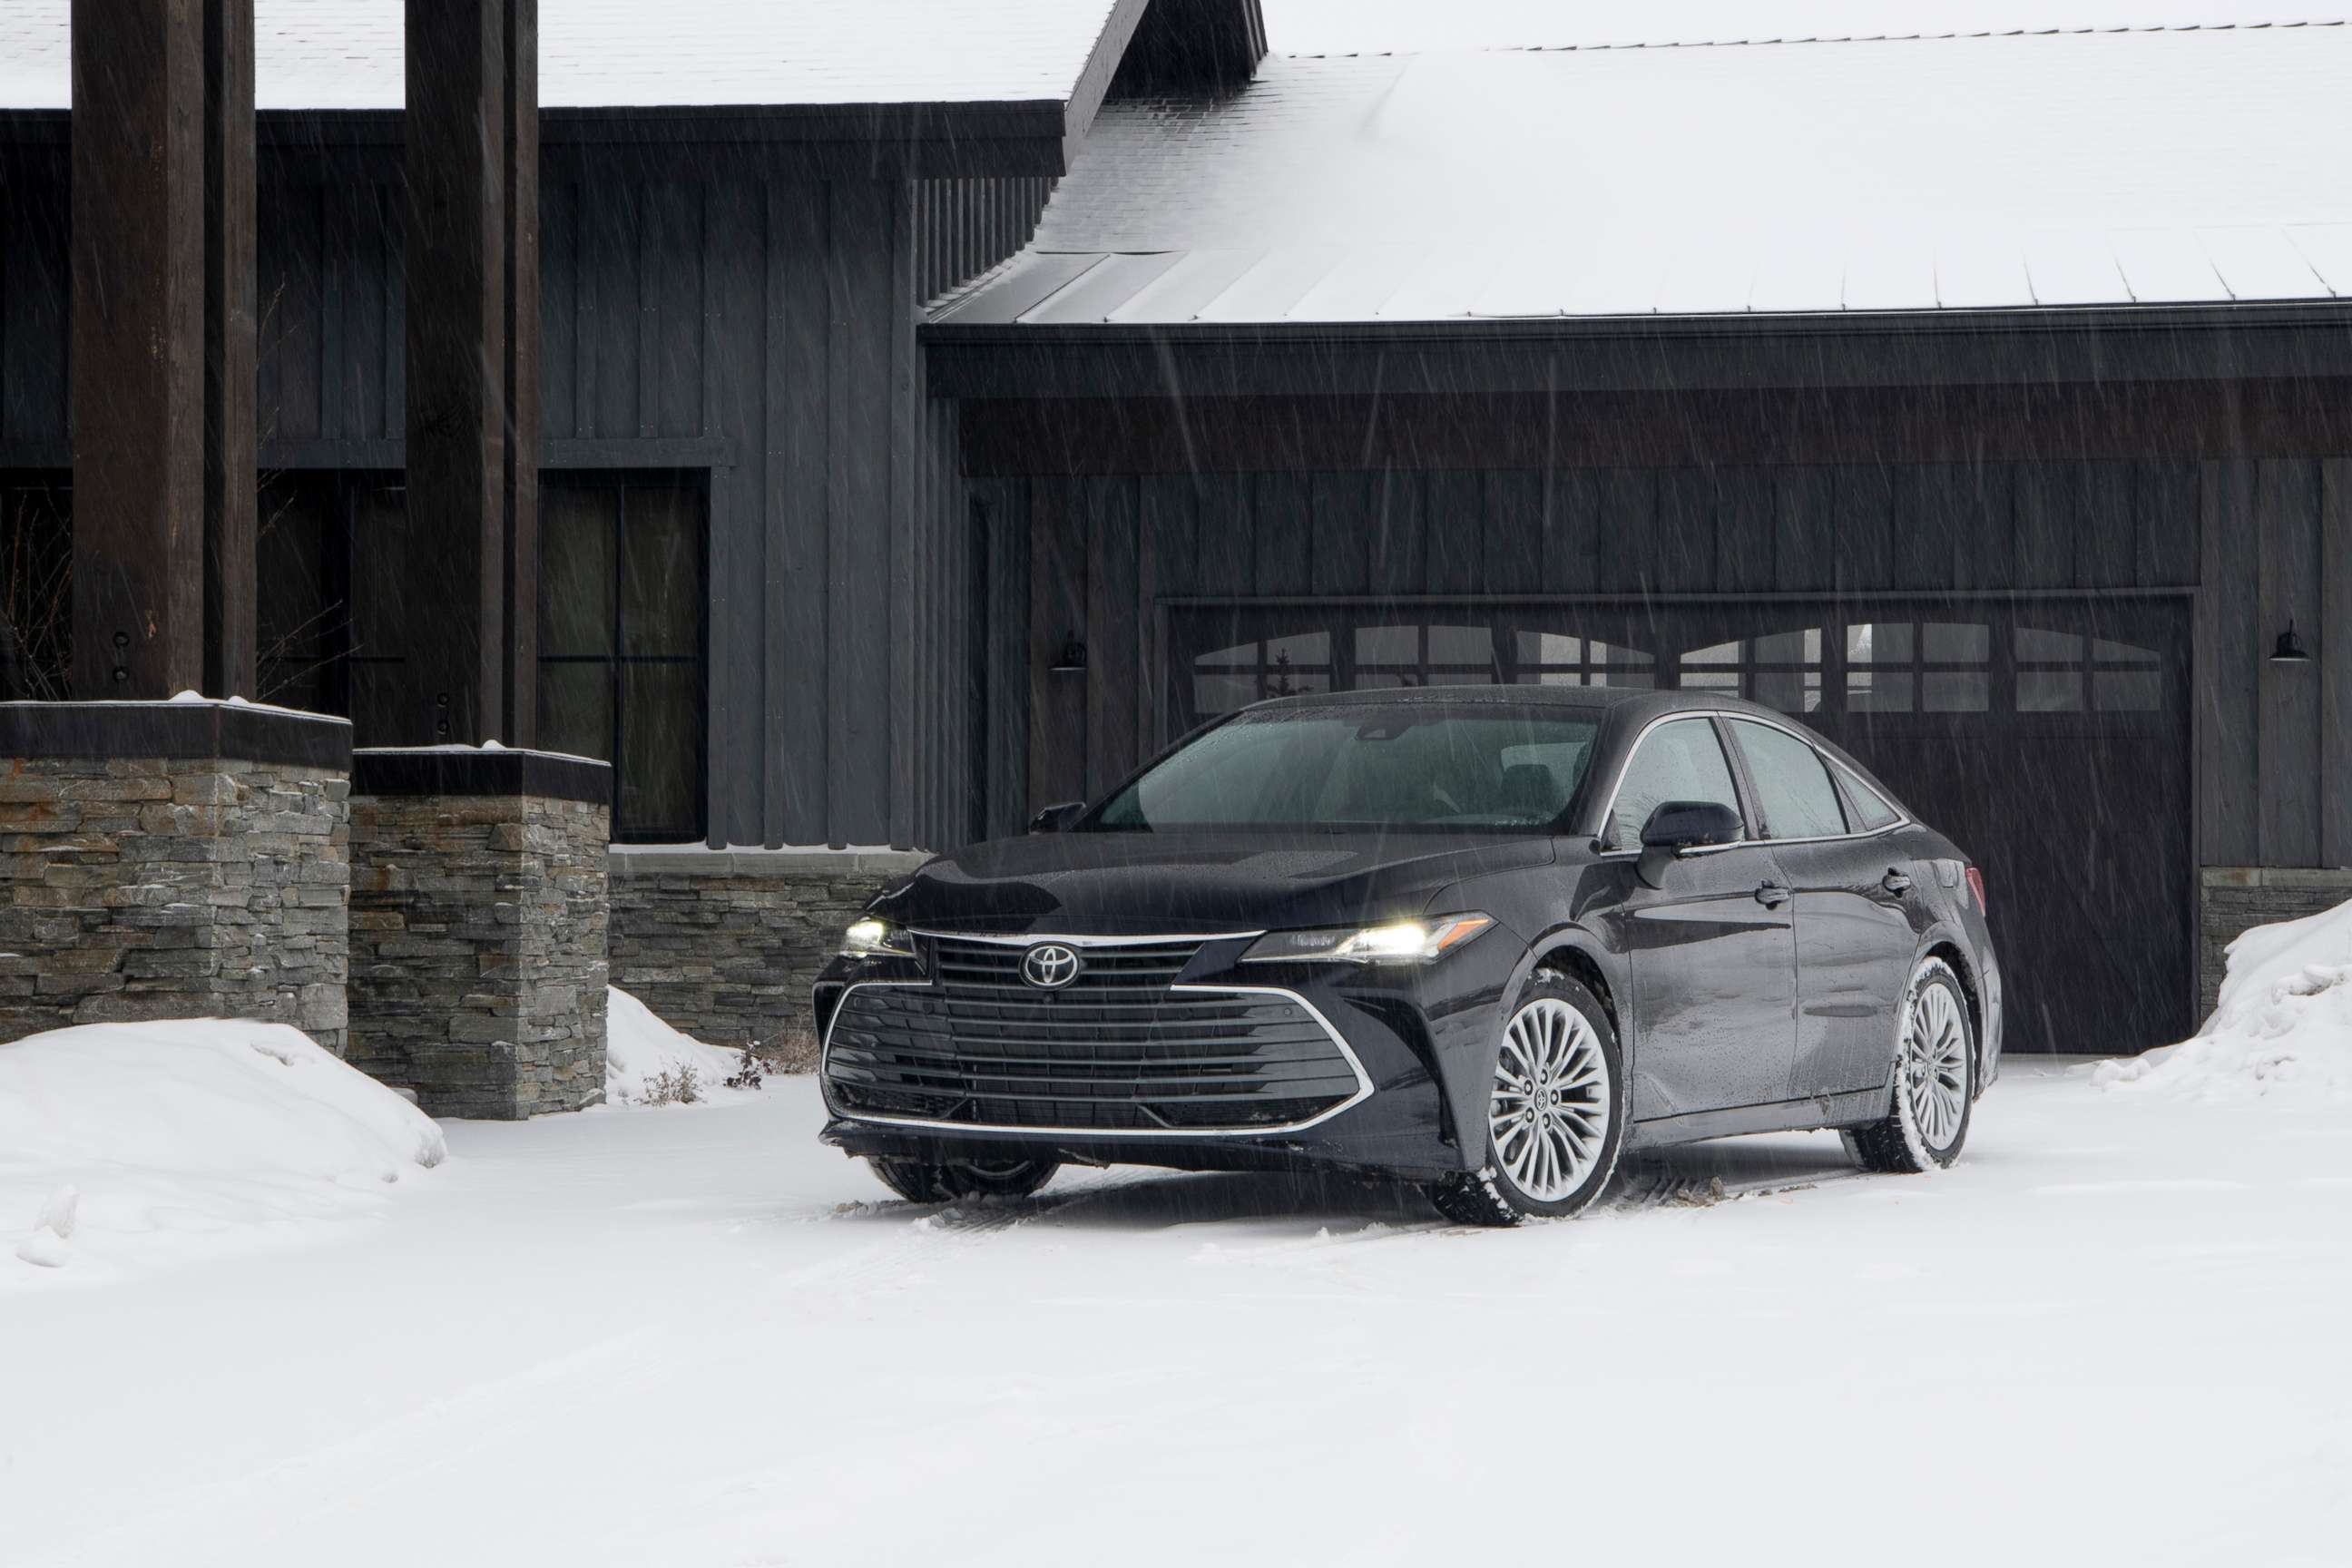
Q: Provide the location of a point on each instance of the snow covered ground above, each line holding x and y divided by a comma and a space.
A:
691, 1336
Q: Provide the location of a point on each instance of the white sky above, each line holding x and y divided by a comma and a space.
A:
1342, 27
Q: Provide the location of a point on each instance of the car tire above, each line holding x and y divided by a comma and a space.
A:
951, 1181
1934, 1079
1556, 1112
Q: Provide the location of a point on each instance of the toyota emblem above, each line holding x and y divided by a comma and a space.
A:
1050, 965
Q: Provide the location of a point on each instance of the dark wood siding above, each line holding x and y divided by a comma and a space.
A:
2262, 536
722, 313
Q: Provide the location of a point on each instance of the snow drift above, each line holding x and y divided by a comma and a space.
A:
2283, 1024
127, 1141
647, 1061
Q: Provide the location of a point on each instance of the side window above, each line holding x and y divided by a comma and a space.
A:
1870, 811
1792, 783
1681, 760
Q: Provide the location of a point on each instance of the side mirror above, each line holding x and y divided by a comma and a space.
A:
1678, 826
1055, 818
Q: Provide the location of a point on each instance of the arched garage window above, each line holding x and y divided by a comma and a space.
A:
1389, 654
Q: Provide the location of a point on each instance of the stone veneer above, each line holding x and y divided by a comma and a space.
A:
725, 945
479, 927
172, 860
2237, 896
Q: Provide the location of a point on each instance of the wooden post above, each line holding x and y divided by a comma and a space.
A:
138, 347
521, 226
231, 507
473, 339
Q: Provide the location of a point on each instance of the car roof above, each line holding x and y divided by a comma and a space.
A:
1635, 702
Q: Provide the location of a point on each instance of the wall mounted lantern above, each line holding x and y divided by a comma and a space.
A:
2290, 650
1071, 659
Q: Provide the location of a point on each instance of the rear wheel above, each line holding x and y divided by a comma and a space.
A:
1556, 1114
1935, 1079
949, 1181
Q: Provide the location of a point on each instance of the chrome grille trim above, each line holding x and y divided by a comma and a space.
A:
1363, 1089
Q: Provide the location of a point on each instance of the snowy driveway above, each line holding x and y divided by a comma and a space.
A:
2115, 1333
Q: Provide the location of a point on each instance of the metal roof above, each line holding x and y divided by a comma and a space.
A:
1966, 172
607, 54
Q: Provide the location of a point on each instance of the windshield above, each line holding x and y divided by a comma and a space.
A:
1334, 767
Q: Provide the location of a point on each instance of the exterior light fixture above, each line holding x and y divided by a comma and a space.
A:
2290, 650
1071, 659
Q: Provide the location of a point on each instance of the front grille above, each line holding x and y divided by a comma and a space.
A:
1114, 1051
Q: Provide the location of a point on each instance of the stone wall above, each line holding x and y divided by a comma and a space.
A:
725, 945
199, 870
2237, 896
478, 929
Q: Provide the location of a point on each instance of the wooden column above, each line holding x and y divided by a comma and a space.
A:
473, 373
138, 347
231, 507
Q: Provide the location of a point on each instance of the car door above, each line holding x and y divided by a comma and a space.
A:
1712, 951
1854, 930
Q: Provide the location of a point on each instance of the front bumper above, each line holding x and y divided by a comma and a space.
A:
1419, 1036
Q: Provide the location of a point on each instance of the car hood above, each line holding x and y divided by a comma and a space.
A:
1127, 883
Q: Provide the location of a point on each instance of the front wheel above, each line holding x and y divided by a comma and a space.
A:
1555, 1117
951, 1181
1935, 1079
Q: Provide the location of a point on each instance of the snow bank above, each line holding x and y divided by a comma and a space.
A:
125, 1141
2283, 1024
647, 1061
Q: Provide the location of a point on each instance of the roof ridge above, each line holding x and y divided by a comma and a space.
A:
1820, 38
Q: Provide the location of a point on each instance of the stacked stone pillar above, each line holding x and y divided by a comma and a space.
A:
479, 927
172, 860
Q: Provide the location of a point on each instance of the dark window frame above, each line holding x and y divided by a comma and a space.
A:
622, 481
338, 492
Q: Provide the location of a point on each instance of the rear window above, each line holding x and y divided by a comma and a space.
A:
1870, 811
1488, 767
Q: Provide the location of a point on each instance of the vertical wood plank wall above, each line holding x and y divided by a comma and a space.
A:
722, 313
2261, 539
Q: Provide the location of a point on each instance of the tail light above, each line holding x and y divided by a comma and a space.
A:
1975, 887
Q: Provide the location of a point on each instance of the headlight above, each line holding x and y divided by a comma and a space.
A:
1402, 941
871, 938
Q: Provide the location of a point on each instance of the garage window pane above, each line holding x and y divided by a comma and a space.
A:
1955, 691
2049, 690
1949, 642
2128, 691
1878, 691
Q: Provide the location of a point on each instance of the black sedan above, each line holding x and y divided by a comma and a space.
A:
1484, 939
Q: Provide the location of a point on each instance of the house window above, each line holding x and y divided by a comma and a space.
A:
328, 550
35, 585
621, 645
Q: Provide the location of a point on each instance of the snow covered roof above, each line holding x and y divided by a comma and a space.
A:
593, 53
2191, 165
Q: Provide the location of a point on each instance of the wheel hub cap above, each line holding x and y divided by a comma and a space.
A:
1935, 1065
1551, 1106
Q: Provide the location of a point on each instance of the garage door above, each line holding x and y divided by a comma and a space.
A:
2048, 737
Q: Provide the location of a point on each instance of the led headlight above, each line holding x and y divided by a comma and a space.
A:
1402, 942
871, 938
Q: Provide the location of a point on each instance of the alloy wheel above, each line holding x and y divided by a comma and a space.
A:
1935, 1065
1553, 1102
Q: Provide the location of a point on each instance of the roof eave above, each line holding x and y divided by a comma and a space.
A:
2301, 338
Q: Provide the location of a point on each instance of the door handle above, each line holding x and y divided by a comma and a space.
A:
1896, 881
1771, 895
